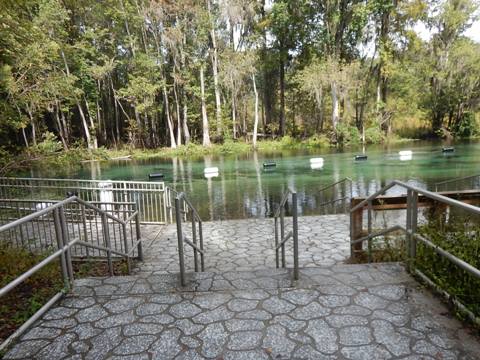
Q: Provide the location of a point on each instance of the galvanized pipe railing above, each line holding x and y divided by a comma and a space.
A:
85, 221
182, 202
63, 252
413, 237
152, 198
440, 184
279, 218
348, 188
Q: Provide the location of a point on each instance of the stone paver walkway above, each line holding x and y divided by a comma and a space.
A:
242, 308
343, 312
245, 245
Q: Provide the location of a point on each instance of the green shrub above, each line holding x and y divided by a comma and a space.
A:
374, 135
50, 144
348, 135
317, 141
459, 236
24, 300
287, 141
466, 127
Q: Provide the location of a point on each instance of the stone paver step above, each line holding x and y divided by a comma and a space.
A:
357, 312
248, 244
241, 280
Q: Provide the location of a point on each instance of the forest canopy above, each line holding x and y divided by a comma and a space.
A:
158, 73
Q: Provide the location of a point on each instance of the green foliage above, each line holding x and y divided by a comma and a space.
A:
461, 237
458, 234
374, 135
348, 135
467, 126
47, 146
103, 71
317, 141
22, 302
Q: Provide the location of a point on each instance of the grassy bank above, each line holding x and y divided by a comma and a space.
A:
227, 147
23, 301
27, 298
49, 153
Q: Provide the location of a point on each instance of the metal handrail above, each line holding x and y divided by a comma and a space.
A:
78, 180
181, 199
345, 180
426, 193
455, 180
293, 234
412, 237
64, 246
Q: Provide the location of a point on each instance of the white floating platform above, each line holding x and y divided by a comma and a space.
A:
405, 157
211, 170
316, 160
211, 175
405, 153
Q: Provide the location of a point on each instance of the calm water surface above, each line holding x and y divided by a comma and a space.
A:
244, 189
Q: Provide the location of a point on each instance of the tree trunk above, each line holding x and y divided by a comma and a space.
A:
186, 132
92, 125
32, 124
25, 137
319, 101
85, 126
335, 106
255, 124
282, 96
206, 134
179, 118
234, 110
173, 144
117, 115
127, 29
267, 99
65, 126
60, 129
214, 56
80, 110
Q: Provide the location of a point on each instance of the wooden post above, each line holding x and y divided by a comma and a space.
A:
356, 226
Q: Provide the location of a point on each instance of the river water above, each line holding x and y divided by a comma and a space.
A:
243, 188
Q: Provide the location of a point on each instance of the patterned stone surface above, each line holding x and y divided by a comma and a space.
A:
245, 245
341, 312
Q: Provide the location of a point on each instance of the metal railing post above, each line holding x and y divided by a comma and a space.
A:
66, 241
408, 227
295, 235
139, 236
170, 206
178, 216
125, 242
85, 231
411, 226
194, 240
277, 260
352, 252
414, 222
202, 255
60, 244
369, 241
108, 245
282, 233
